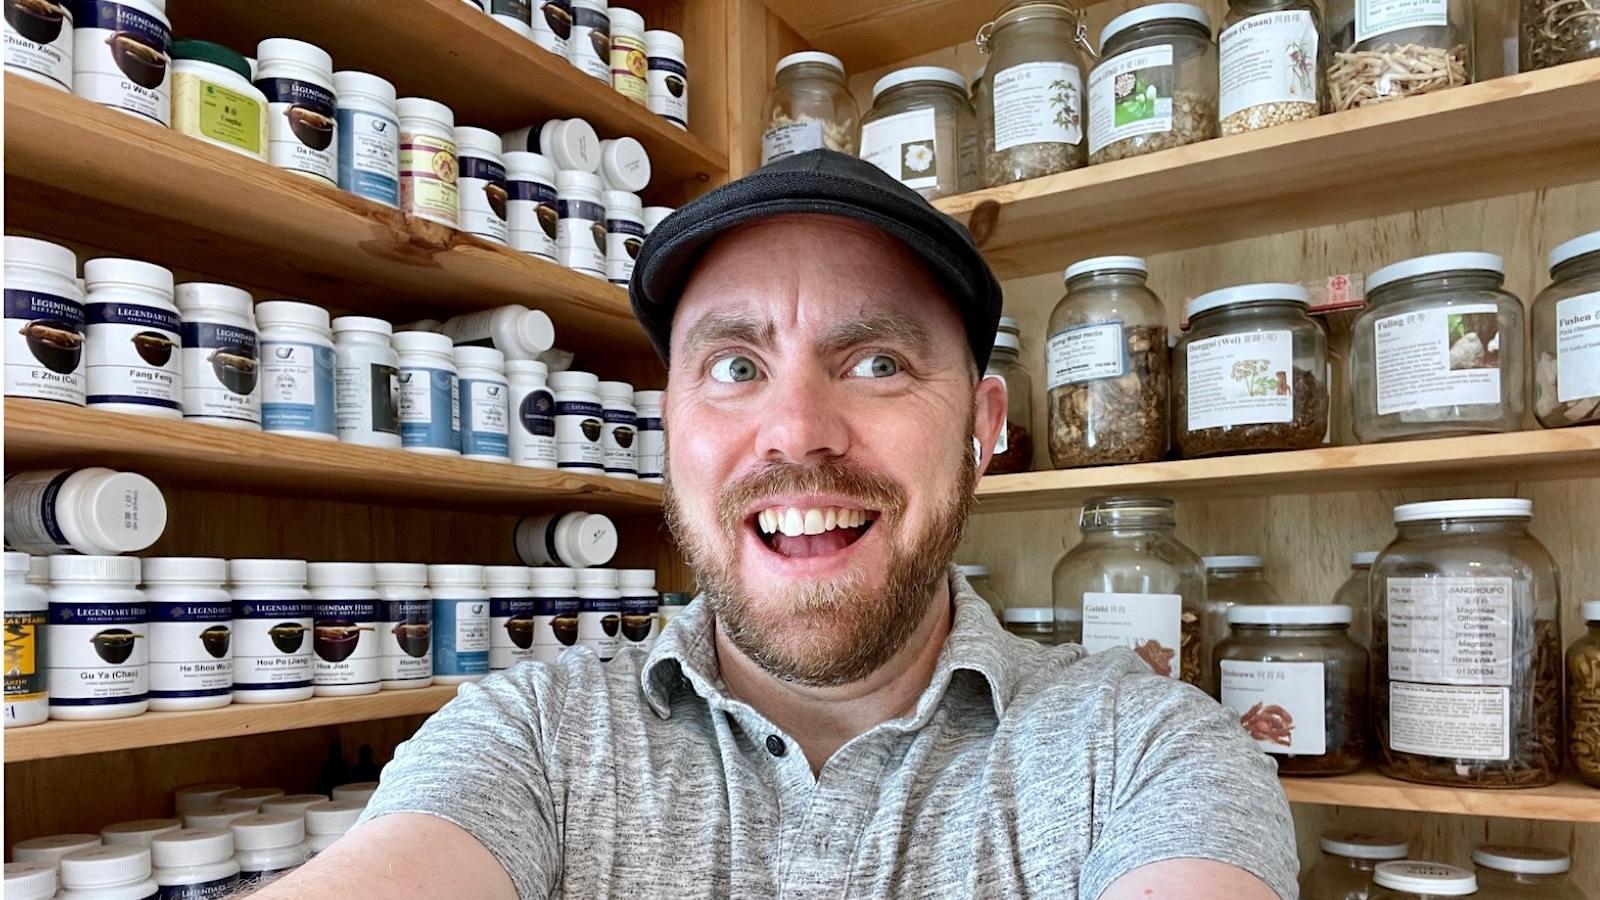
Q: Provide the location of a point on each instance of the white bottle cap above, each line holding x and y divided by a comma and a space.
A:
647, 399
30, 880
597, 579
1583, 245
616, 391
507, 577
642, 579
809, 56
1247, 293
1231, 562
1522, 860
423, 108
1288, 614
347, 324
185, 569
1591, 610
291, 312
359, 791
111, 270
574, 380
1501, 508
192, 296
619, 203
938, 74
624, 164
217, 816
95, 569
1430, 878
352, 82
100, 504
191, 847
334, 816
17, 563
273, 571
51, 848
554, 577
526, 367
138, 831
422, 342
569, 180
1029, 615
1105, 264
973, 571
292, 804
625, 19
194, 797
653, 216
1360, 845
480, 357
479, 142
41, 253
1153, 13
291, 50
1435, 264
522, 165
591, 539
99, 867
663, 43
249, 798
264, 831
400, 573
456, 574
570, 144
339, 574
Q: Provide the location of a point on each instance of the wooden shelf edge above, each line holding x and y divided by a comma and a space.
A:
1568, 800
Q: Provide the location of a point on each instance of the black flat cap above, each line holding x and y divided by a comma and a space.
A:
828, 183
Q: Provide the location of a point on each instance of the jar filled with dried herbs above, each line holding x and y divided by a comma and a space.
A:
1566, 336
922, 131
1298, 685
1251, 373
1510, 872
1348, 858
1559, 31
1155, 86
1013, 452
1356, 593
1466, 647
810, 108
1583, 697
1131, 583
1387, 49
1230, 581
1107, 372
1030, 118
1270, 60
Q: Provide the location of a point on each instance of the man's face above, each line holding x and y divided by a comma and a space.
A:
821, 406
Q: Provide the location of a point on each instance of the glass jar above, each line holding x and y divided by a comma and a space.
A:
1345, 870
1107, 372
1437, 351
1132, 583
1356, 593
978, 579
1583, 698
1384, 50
1566, 334
1250, 374
1155, 86
1013, 452
1418, 880
1030, 121
810, 108
1466, 647
1506, 872
1298, 684
1230, 581
1270, 60
1036, 623
1559, 31
922, 131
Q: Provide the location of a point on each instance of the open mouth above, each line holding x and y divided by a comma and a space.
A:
805, 532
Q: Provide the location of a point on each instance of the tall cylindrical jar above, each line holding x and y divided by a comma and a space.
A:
1133, 584
516, 331
272, 620
460, 623
345, 620
589, 48
481, 186
551, 23
629, 64
44, 322
302, 115
667, 77
1270, 60
297, 361
405, 629
1013, 450
191, 632
532, 415
97, 641
580, 421
1583, 697
121, 56
428, 166
481, 381
1155, 86
369, 137
810, 108
581, 232
221, 359
531, 213
652, 436
133, 339
1107, 371
1230, 581
1566, 335
195, 863
624, 234
921, 131
94, 511
641, 608
1438, 350
430, 408
366, 382
511, 609
1030, 105
27, 609
1374, 41
574, 539
1467, 647
599, 611
214, 101
619, 434
38, 42
555, 613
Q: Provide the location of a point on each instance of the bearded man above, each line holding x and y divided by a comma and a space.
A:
837, 714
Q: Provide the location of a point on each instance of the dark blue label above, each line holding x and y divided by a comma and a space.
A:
32, 305
537, 413
214, 336
205, 890
412, 612
98, 613
649, 423
345, 610
618, 417
486, 169
272, 609
101, 399
531, 190
641, 604
584, 17
132, 314
667, 64
511, 607
578, 408
149, 30
580, 209
623, 226
314, 97
47, 509
250, 877
455, 623
191, 612
555, 606
516, 9
97, 701
599, 604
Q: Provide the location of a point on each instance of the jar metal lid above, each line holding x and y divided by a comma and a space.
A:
1232, 562
105, 866
333, 816
196, 569
272, 570
345, 324
291, 312
809, 56
1522, 860
507, 576
353, 82
636, 578
112, 270
554, 577
1098, 506
659, 42
1286, 614
1106, 264
479, 358
191, 847
30, 881
123, 569
1248, 293
1155, 12
1363, 558
676, 598
1591, 611
477, 142
1360, 845
337, 574
197, 295
1436, 264
400, 573
423, 108
973, 571
40, 253
521, 165
456, 573
290, 50
422, 342
1425, 878
1032, 615
935, 74
596, 578
216, 54
1493, 508
1582, 245
267, 831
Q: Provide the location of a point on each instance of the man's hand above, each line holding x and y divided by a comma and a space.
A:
405, 856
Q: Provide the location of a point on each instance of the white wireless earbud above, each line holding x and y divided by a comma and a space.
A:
977, 449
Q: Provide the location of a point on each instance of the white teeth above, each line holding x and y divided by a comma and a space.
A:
794, 523
764, 521
830, 518
813, 521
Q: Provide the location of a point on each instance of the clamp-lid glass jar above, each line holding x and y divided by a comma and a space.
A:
1030, 109
1506, 871
1438, 350
810, 108
1559, 31
1155, 86
922, 131
1466, 649
1298, 684
1270, 61
1383, 50
1566, 334
1230, 581
1345, 870
1250, 373
1107, 371
1583, 698
1013, 452
1132, 583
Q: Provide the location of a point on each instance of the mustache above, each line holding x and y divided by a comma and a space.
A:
871, 489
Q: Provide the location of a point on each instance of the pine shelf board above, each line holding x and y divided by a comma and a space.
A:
1568, 800
79, 173
53, 739
1523, 455
41, 434
1502, 136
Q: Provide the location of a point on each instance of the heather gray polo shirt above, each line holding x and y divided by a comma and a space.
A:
1024, 771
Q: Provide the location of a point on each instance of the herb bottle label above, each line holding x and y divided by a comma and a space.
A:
428, 178
552, 22
1450, 722
30, 512
1281, 705
1130, 95
904, 146
578, 429
1085, 353
510, 632
483, 198
623, 240
302, 121
652, 447
1241, 379
190, 646
121, 59
1375, 18
219, 114
485, 427
205, 890
790, 138
667, 90
1437, 357
25, 669
1577, 348
641, 621
599, 620
533, 436
461, 637
1268, 58
555, 627
532, 217
98, 654
133, 355
581, 236
297, 387
430, 409
1450, 630
271, 644
590, 47
369, 156
407, 639
220, 372
617, 442
1150, 625
344, 642
44, 347
367, 398
39, 45
1038, 103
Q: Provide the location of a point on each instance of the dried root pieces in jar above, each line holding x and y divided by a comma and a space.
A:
1559, 31
1303, 432
1194, 119
835, 135
1364, 77
1027, 160
1115, 420
1546, 398
1583, 710
1267, 115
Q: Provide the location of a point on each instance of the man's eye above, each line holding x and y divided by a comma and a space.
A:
734, 369
875, 366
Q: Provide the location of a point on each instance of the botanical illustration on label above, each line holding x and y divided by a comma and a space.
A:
1241, 379
39, 40
1038, 103
484, 198
618, 453
190, 647
297, 387
790, 138
640, 619
581, 236
367, 396
407, 639
590, 49
97, 654
271, 644
1130, 95
1451, 630
428, 174
667, 90
599, 621
1577, 347
1148, 624
133, 355
1085, 353
532, 218
44, 346
1280, 704
369, 155
460, 637
510, 631
301, 122
429, 409
1268, 58
345, 642
120, 58
222, 114
220, 369
903, 146
623, 240
24, 648
1375, 18
579, 426
1450, 722
484, 415
555, 627
1443, 356
652, 447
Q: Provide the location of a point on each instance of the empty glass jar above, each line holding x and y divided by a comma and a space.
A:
922, 131
1030, 112
1384, 50
810, 108
1566, 334
1155, 86
1230, 581
1345, 870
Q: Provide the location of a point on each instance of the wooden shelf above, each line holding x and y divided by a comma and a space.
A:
57, 739
41, 434
1568, 800
1521, 456
80, 173
1503, 136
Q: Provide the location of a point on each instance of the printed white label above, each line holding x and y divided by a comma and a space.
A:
44, 355
1279, 704
1450, 630
1452, 722
1241, 379
1578, 347
472, 631
903, 146
302, 125
1084, 353
1038, 103
271, 644
1437, 357
1379, 17
598, 623
582, 245
134, 356
790, 138
1269, 58
1150, 625
191, 658
103, 662
40, 43
120, 57
1129, 95
488, 407
220, 369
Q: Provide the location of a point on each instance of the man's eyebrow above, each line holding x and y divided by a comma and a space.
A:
731, 328
879, 328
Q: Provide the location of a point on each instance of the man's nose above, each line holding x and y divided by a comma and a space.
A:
803, 420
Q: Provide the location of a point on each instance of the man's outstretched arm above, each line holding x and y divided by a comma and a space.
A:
405, 856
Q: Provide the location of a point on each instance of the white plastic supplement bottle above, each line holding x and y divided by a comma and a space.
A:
552, 25
480, 373
24, 880
221, 356
652, 436
667, 91
249, 798
511, 609
302, 115
133, 336
590, 47
357, 791
191, 632
570, 144
533, 415
516, 331
297, 359
581, 232
513, 14
599, 611
94, 511
481, 184
619, 436
629, 64
195, 863
653, 216
366, 382
97, 641
38, 46
624, 165
271, 630
460, 623
44, 320
430, 408
531, 214
555, 611
27, 609
624, 234
641, 608
138, 832
121, 56
579, 421
406, 631
344, 610
292, 804
117, 872
327, 822
213, 100
217, 816
39, 572
428, 167
194, 797
369, 137
574, 539
267, 846
49, 849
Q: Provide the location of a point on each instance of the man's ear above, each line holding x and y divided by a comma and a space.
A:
989, 420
